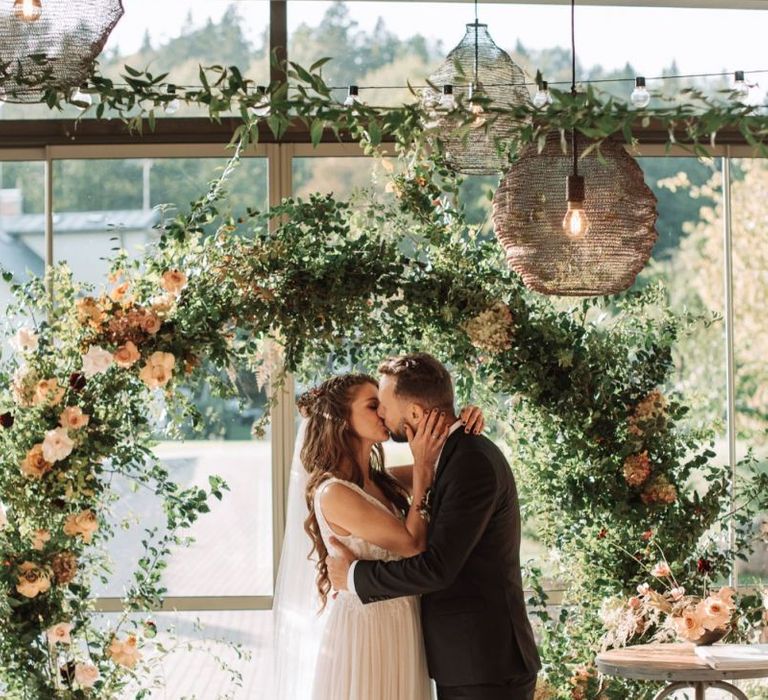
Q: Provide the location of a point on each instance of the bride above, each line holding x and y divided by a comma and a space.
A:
340, 649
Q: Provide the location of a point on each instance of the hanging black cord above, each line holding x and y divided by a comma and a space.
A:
477, 48
573, 83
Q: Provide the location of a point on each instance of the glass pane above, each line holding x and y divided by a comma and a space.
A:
750, 299
103, 205
177, 36
22, 226
196, 672
381, 46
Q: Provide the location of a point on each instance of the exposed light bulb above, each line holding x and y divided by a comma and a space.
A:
173, 106
543, 96
353, 97
28, 10
640, 96
740, 86
575, 223
261, 108
80, 98
447, 99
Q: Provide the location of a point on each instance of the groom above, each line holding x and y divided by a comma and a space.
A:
477, 635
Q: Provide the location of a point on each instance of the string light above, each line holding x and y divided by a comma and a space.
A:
81, 98
543, 96
575, 222
28, 10
173, 106
262, 107
447, 99
640, 96
353, 96
740, 86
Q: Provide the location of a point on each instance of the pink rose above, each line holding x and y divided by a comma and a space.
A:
59, 633
661, 570
96, 361
86, 675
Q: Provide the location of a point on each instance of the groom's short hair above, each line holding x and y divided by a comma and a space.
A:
420, 378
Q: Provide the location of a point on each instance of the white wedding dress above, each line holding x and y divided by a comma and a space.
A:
374, 651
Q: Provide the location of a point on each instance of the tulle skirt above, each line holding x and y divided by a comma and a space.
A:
372, 652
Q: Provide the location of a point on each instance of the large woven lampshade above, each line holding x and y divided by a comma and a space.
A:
478, 60
528, 210
52, 43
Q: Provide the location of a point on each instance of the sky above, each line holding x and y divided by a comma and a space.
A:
700, 40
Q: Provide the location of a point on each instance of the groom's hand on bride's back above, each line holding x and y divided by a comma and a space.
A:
338, 565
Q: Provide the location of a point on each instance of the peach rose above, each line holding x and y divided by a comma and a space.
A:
35, 465
688, 624
88, 312
84, 524
713, 613
49, 391
25, 340
158, 370
127, 355
150, 324
120, 293
162, 305
33, 580
726, 595
661, 570
59, 633
86, 675
677, 593
39, 538
73, 418
57, 445
173, 281
124, 653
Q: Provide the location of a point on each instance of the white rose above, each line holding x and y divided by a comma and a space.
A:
57, 445
25, 340
96, 361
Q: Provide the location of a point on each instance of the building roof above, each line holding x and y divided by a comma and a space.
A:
80, 222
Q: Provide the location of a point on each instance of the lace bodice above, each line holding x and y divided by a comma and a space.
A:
361, 548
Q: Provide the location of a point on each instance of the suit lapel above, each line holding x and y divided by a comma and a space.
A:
450, 447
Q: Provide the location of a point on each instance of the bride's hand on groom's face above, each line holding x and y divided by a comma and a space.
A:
427, 442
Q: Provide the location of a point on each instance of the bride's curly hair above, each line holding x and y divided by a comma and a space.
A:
329, 442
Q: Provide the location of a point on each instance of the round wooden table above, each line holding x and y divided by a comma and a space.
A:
677, 664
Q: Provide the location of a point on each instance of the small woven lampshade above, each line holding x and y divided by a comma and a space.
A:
57, 49
528, 210
500, 79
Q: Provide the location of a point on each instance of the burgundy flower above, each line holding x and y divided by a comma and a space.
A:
6, 420
602, 534
704, 566
77, 381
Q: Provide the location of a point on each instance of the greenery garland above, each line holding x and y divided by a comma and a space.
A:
604, 455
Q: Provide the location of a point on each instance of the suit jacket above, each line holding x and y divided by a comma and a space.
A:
476, 627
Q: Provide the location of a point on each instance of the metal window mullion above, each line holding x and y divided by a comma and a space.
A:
730, 386
48, 177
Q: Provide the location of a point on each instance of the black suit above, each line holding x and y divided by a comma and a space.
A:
476, 628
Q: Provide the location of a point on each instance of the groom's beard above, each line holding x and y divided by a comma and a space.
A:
398, 435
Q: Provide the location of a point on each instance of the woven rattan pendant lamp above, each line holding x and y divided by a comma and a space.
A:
476, 67
591, 237
51, 43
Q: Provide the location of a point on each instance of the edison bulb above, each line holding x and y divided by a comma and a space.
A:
640, 96
28, 10
575, 222
543, 96
353, 96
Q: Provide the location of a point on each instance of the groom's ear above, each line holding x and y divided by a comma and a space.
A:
415, 413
